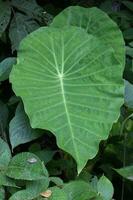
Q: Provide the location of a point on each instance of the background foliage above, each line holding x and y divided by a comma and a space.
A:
115, 157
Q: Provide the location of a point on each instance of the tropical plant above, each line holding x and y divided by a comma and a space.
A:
66, 112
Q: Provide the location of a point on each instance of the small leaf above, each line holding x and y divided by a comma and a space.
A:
5, 155
5, 68
105, 188
32, 191
21, 25
5, 13
20, 130
21, 168
126, 172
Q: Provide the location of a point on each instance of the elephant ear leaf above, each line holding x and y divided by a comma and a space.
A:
95, 22
70, 84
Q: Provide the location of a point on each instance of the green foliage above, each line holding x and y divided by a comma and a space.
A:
77, 108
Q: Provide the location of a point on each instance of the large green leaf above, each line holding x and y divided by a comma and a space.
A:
5, 13
26, 166
95, 22
20, 130
70, 84
5, 154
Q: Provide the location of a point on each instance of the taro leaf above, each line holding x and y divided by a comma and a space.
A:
70, 84
5, 68
20, 26
95, 22
105, 188
6, 181
2, 193
20, 130
79, 190
5, 154
33, 190
126, 172
5, 13
26, 166
128, 94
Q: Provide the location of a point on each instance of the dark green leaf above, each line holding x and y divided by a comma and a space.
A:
5, 13
29, 7
5, 68
21, 25
20, 130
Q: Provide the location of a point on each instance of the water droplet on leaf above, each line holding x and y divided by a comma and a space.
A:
32, 160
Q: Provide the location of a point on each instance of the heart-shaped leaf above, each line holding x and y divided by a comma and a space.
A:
70, 84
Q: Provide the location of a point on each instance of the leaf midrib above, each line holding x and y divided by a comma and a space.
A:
67, 114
